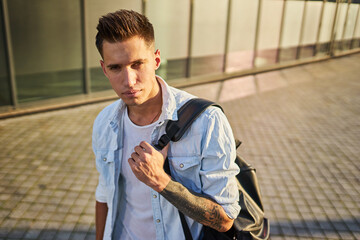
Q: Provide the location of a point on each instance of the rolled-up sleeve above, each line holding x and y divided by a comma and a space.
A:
218, 168
100, 193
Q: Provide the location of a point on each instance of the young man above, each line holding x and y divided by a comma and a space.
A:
135, 198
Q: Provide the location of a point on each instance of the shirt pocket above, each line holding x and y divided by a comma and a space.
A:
105, 165
186, 171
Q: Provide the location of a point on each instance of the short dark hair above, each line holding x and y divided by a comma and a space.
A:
123, 25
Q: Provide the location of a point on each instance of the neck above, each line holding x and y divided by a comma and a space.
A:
149, 111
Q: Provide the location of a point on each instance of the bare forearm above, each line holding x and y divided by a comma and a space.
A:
199, 208
101, 210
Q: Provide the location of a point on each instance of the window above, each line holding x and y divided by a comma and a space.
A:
269, 32
242, 34
46, 41
171, 35
5, 97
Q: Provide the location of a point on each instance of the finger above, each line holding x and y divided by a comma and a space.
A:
132, 163
147, 146
135, 157
165, 150
140, 150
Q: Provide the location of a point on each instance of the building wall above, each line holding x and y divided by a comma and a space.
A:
48, 36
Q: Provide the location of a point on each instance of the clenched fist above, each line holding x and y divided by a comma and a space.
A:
148, 165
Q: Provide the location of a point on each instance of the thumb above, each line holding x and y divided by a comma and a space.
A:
164, 151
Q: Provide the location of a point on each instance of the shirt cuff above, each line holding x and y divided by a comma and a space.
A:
232, 210
100, 195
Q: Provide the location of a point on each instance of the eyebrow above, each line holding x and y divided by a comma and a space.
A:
120, 65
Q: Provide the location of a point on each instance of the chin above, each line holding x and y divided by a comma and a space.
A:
132, 102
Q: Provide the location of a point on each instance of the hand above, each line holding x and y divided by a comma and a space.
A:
148, 166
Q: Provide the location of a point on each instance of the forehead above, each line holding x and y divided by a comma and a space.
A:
130, 47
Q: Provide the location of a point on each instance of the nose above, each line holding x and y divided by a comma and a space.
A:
129, 77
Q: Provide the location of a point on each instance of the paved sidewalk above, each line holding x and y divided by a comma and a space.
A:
300, 128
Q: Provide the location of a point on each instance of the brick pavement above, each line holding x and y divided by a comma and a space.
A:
300, 127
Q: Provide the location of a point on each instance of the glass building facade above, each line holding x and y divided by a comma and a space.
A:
47, 47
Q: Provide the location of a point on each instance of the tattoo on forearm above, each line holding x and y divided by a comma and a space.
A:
201, 209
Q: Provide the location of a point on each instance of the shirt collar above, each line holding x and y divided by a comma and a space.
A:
116, 113
169, 102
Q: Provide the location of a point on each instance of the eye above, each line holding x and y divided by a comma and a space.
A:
136, 65
114, 67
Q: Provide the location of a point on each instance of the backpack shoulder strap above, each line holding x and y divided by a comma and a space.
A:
175, 130
186, 116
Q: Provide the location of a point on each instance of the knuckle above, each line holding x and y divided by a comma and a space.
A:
146, 159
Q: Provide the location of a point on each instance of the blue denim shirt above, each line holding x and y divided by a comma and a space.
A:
203, 161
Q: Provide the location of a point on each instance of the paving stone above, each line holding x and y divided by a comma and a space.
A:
288, 231
16, 233
53, 224
302, 232
277, 237
90, 236
69, 226
87, 219
356, 235
346, 235
44, 216
62, 235
48, 234
32, 234
78, 235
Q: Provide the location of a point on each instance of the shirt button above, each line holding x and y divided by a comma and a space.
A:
154, 196
157, 220
104, 159
181, 165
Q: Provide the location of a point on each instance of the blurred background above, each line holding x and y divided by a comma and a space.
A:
47, 48
286, 73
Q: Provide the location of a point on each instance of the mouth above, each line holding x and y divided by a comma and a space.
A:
131, 93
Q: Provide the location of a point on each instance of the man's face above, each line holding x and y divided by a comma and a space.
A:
130, 67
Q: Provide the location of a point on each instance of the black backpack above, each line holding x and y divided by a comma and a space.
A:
250, 223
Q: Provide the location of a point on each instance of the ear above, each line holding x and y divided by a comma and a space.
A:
157, 59
103, 68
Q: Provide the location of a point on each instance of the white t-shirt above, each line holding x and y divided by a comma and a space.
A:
136, 214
